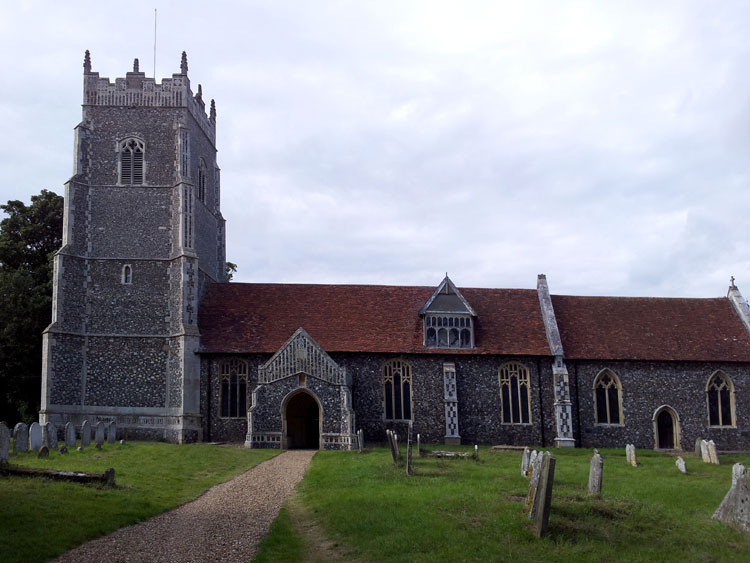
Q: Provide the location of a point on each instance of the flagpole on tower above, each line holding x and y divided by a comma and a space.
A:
154, 75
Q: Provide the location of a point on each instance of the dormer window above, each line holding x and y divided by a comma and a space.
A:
448, 319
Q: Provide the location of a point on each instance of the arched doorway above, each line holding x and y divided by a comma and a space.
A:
302, 417
666, 429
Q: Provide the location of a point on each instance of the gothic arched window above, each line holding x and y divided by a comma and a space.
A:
607, 398
397, 390
720, 398
515, 393
233, 385
131, 162
202, 181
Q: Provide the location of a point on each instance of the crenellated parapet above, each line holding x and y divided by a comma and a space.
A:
138, 90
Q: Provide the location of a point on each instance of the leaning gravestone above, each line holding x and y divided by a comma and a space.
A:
544, 494
712, 454
735, 508
112, 432
595, 474
4, 443
680, 463
35, 436
20, 438
43, 452
85, 433
534, 472
525, 462
698, 447
49, 435
704, 452
70, 434
532, 458
99, 434
409, 468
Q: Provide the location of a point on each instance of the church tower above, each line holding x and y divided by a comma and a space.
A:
143, 235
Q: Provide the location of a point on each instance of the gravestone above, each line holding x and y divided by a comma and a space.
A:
476, 452
630, 455
704, 452
99, 434
627, 454
532, 458
63, 449
535, 468
525, 462
4, 443
49, 435
544, 494
112, 432
361, 440
680, 463
409, 468
713, 456
698, 447
392, 440
70, 434
20, 438
85, 433
35, 436
595, 474
43, 452
419, 445
735, 508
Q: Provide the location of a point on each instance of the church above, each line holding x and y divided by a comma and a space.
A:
147, 331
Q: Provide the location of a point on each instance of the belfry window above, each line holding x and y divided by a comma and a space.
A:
720, 398
233, 388
131, 162
607, 398
515, 393
397, 390
127, 274
202, 181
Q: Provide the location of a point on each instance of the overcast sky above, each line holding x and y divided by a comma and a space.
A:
606, 144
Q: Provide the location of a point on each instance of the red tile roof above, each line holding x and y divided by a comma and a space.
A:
248, 318
259, 318
644, 328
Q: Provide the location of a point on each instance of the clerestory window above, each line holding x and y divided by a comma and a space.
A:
233, 384
131, 162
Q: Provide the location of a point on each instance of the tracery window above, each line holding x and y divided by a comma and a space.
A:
720, 398
233, 378
131, 162
607, 398
397, 390
444, 331
202, 181
515, 393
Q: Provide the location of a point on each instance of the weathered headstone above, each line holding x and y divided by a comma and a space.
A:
735, 508
713, 456
525, 462
627, 454
532, 458
534, 472
476, 452
35, 436
393, 440
595, 474
49, 435
112, 432
20, 438
409, 468
698, 447
704, 452
99, 434
70, 434
419, 445
630, 455
43, 452
4, 443
85, 433
544, 494
680, 463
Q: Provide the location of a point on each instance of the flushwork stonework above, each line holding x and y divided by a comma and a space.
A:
148, 337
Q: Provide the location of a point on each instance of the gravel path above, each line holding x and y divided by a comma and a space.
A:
225, 524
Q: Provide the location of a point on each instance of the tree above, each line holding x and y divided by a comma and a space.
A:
231, 270
29, 237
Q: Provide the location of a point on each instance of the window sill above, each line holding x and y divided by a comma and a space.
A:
727, 427
608, 425
517, 423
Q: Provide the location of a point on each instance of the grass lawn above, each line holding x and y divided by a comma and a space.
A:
461, 510
41, 518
